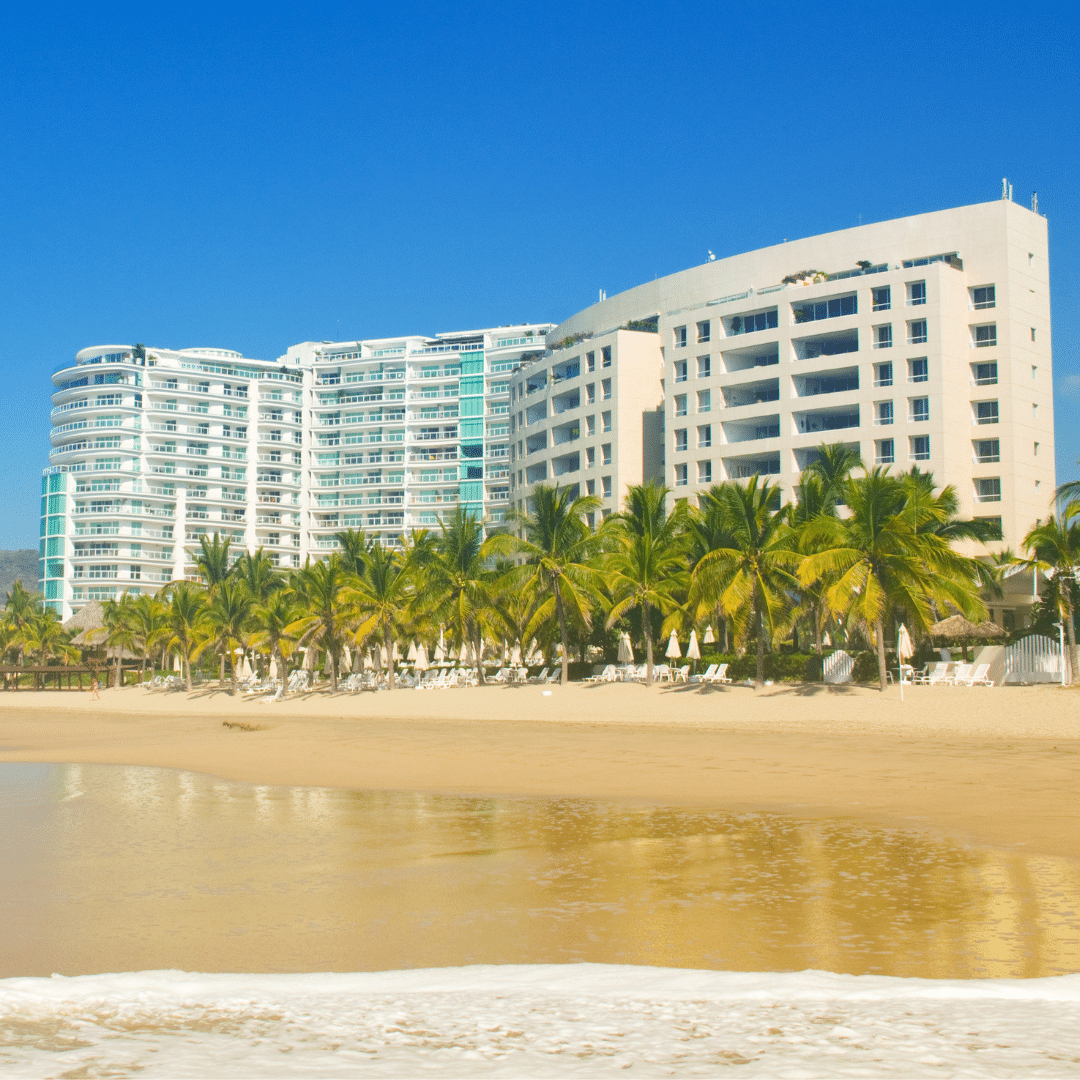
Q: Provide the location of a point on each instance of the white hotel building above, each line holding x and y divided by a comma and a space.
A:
921, 341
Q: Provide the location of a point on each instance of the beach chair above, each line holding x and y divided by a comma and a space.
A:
542, 677
718, 676
960, 675
662, 673
939, 674
981, 677
707, 674
554, 677
597, 674
609, 674
683, 674
500, 676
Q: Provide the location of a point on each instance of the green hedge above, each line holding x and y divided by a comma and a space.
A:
779, 667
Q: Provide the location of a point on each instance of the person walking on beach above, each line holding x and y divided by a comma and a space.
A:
94, 688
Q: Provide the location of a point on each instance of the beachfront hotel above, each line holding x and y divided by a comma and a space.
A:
923, 341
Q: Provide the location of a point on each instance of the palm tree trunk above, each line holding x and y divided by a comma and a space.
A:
333, 668
818, 646
187, 670
116, 673
233, 687
1070, 629
221, 673
646, 627
562, 631
478, 646
389, 646
879, 634
281, 668
759, 671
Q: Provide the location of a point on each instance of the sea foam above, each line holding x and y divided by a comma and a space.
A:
537, 1021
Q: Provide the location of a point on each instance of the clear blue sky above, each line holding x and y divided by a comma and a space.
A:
253, 176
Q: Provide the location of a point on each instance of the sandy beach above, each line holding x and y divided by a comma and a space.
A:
994, 766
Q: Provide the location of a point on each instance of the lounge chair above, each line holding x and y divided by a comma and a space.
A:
662, 673
939, 674
683, 674
720, 675
707, 674
960, 675
597, 674
609, 674
500, 676
981, 677
542, 677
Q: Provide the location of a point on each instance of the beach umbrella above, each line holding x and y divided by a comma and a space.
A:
673, 650
420, 662
463, 654
827, 641
626, 653
273, 667
709, 638
692, 651
515, 657
440, 652
411, 654
346, 659
904, 651
245, 667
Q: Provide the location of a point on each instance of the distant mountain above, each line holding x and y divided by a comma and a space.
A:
18, 566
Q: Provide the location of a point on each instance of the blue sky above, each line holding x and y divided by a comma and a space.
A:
250, 176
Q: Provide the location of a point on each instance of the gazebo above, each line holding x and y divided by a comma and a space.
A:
958, 629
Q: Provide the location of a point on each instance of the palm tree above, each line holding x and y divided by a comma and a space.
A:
186, 617
1054, 547
455, 588
381, 597
229, 617
272, 619
19, 610
353, 548
259, 575
320, 591
120, 629
560, 550
883, 563
753, 578
213, 566
45, 637
647, 568
148, 617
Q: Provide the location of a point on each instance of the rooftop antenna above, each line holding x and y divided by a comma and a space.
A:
1004, 188
1010, 193
1034, 202
712, 257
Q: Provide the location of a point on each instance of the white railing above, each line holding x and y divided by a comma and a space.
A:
1036, 659
837, 667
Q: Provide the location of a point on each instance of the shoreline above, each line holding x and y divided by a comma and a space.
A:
998, 767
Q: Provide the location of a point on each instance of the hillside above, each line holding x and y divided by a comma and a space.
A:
21, 566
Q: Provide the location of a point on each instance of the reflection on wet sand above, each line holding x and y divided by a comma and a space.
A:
114, 868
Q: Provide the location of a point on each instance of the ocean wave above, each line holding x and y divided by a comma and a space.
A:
536, 1021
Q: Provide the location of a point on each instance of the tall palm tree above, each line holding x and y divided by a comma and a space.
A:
560, 550
148, 618
271, 634
214, 566
647, 567
883, 563
186, 617
753, 578
381, 596
353, 548
120, 630
259, 575
229, 617
1054, 548
19, 610
45, 638
320, 589
455, 589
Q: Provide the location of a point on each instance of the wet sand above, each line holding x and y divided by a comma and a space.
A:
992, 766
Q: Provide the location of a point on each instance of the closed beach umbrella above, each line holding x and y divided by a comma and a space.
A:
692, 651
709, 638
346, 659
904, 651
440, 652
626, 653
273, 667
673, 650
245, 667
827, 641
515, 657
463, 654
411, 654
421, 661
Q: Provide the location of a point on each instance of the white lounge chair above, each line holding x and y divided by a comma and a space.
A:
707, 674
720, 675
939, 674
683, 673
500, 676
542, 677
981, 677
960, 675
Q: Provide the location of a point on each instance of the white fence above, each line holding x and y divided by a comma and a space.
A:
838, 667
1035, 659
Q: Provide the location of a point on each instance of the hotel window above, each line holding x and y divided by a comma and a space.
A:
704, 367
883, 413
680, 476
985, 374
883, 336
680, 371
883, 374
919, 409
986, 412
679, 337
986, 451
605, 486
704, 472
605, 389
605, 454
984, 337
988, 489
885, 452
136, 573
919, 448
916, 293
984, 297
590, 393
916, 332
605, 421
590, 487
590, 457
704, 401
993, 527
704, 436
605, 356
590, 425
680, 440
680, 404
882, 298
918, 370
1036, 450
703, 329
590, 361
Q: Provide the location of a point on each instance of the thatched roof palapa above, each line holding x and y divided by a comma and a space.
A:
957, 628
89, 617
